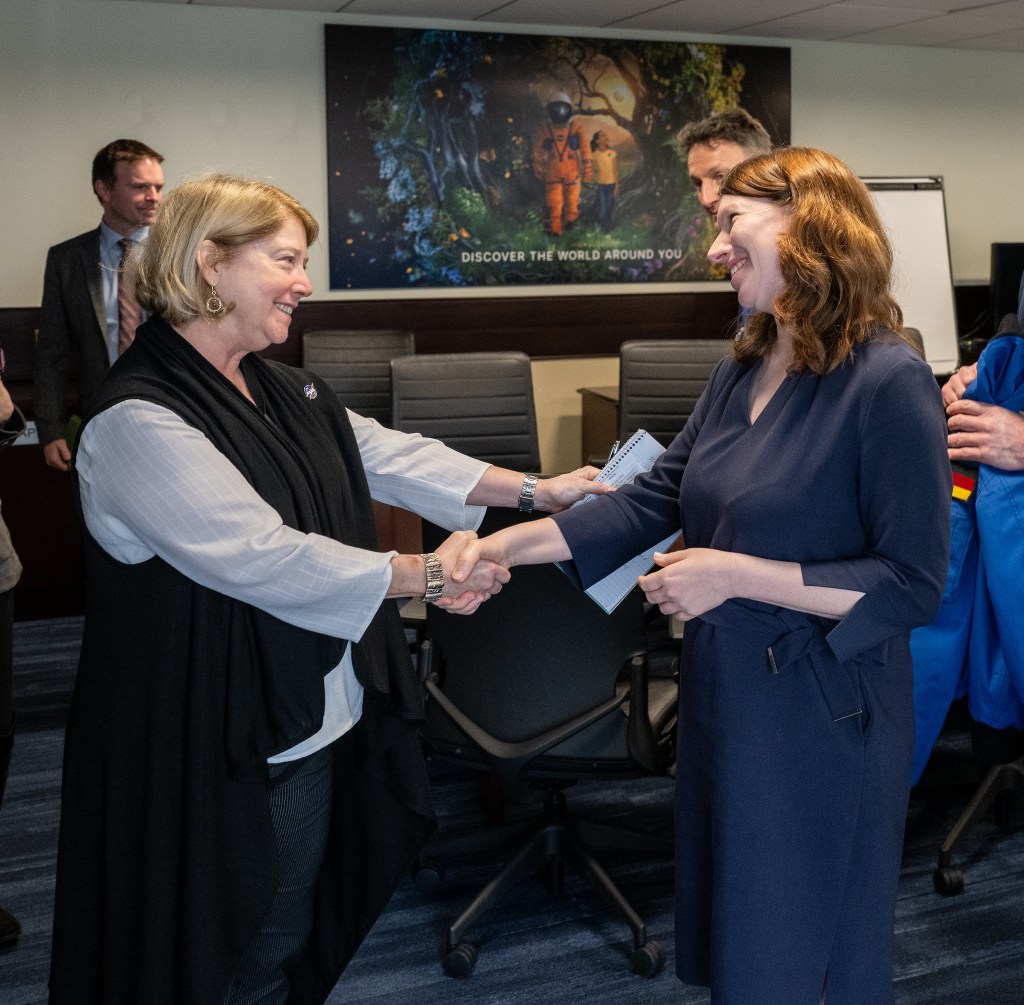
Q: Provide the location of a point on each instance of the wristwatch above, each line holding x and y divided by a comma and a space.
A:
435, 577
527, 494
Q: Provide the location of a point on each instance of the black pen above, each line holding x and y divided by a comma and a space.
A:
612, 452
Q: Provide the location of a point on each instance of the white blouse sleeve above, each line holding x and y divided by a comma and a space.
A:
151, 484
419, 474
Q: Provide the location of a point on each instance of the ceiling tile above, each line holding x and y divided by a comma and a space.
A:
319, 6
455, 10
837, 21
721, 16
592, 13
946, 29
968, 24
935, 6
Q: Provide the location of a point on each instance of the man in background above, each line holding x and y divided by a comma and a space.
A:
982, 433
715, 145
82, 318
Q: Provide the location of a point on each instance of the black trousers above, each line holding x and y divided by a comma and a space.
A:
300, 795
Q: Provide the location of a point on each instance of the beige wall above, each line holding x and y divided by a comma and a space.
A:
555, 383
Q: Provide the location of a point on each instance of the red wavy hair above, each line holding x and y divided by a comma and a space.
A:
835, 257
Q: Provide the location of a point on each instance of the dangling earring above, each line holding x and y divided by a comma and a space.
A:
214, 304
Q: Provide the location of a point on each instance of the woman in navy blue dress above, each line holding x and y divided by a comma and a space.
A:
812, 489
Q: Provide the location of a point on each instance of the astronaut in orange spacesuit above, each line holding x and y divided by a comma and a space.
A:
561, 159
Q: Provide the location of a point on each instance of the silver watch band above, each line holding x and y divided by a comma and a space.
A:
527, 494
435, 577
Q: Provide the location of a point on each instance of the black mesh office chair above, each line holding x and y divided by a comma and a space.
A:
660, 381
480, 403
357, 365
545, 690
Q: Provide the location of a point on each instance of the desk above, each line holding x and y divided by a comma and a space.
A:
600, 428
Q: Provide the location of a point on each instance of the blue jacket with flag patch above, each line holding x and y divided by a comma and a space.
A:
975, 645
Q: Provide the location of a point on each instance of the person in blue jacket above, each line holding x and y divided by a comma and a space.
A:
812, 489
975, 645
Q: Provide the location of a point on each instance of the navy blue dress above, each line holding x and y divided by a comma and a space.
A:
796, 733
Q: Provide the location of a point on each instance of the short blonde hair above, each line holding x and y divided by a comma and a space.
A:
227, 210
835, 258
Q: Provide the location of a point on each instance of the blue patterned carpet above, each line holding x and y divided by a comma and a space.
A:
534, 950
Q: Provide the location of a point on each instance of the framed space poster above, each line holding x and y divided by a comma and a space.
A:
469, 159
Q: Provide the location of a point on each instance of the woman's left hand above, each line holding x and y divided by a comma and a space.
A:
560, 492
689, 582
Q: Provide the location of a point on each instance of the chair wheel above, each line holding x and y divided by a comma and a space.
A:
948, 882
648, 959
460, 960
428, 875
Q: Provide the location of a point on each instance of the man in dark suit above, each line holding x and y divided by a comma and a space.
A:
81, 317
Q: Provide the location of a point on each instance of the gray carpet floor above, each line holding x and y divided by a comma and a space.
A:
535, 949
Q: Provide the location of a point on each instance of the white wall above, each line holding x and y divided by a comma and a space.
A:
243, 90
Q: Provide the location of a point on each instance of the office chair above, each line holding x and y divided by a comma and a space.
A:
660, 381
916, 339
544, 690
356, 363
1004, 778
357, 366
479, 403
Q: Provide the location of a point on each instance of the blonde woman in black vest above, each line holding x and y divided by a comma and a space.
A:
243, 781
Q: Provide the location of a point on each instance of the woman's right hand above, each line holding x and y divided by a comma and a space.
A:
482, 580
534, 542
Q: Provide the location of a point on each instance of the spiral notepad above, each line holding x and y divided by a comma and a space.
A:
638, 455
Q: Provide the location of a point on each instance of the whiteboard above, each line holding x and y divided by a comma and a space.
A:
913, 211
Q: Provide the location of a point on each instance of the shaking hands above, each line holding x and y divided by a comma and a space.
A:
476, 580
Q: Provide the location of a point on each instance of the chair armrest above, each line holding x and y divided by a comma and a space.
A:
522, 751
508, 758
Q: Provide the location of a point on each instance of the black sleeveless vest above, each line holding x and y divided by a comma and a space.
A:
167, 860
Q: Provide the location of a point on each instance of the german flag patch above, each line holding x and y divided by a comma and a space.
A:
963, 486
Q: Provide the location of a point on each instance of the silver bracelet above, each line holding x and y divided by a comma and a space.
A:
435, 577
527, 494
